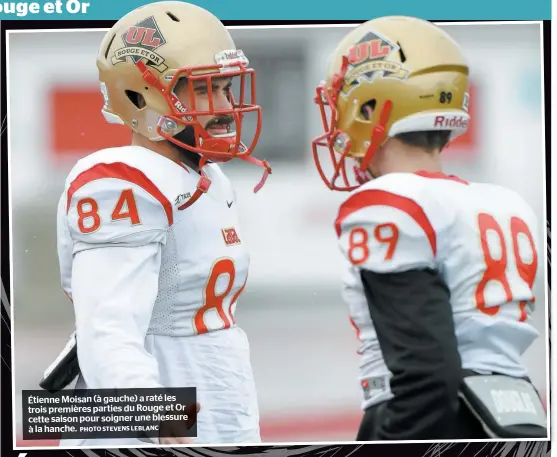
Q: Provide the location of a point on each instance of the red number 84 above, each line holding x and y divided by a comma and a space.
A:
215, 301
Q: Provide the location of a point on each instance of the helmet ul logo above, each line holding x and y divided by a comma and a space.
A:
367, 58
140, 42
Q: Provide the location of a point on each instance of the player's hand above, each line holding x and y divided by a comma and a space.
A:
175, 431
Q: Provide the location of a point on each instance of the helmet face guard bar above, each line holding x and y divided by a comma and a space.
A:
216, 148
209, 147
338, 143
331, 139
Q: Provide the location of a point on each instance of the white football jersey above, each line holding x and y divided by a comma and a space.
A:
155, 287
482, 238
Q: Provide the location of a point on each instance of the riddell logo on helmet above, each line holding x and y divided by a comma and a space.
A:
450, 122
178, 105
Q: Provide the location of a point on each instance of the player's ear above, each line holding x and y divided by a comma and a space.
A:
367, 109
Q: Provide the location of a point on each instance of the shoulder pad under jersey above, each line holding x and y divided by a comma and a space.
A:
121, 195
392, 223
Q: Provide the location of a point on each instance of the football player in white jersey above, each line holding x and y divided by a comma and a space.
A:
150, 248
439, 284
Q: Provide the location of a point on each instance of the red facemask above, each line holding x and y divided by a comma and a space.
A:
210, 148
337, 142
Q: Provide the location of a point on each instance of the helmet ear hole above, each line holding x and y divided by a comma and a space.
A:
136, 98
367, 109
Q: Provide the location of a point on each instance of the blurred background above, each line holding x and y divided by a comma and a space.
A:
303, 346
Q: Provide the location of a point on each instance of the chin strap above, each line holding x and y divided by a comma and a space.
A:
202, 186
259, 163
362, 176
204, 182
378, 134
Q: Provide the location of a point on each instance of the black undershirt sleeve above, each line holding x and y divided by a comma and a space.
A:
413, 319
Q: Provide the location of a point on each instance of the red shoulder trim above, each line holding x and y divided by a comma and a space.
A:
119, 170
376, 197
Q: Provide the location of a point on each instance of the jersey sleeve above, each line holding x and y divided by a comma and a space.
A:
64, 247
391, 231
386, 232
113, 220
116, 204
114, 289
413, 319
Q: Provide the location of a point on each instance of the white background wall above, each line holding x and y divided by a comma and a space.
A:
303, 346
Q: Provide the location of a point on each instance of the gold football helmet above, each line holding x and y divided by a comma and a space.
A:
409, 71
147, 52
